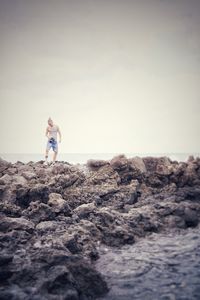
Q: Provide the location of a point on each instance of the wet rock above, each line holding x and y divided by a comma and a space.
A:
90, 282
5, 259
173, 221
71, 242
117, 236
190, 217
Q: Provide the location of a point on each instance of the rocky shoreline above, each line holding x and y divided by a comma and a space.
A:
54, 218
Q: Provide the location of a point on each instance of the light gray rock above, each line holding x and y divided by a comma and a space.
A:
85, 209
58, 204
6, 179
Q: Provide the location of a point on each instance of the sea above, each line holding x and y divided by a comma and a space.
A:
82, 158
158, 267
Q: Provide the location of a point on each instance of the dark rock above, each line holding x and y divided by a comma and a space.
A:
5, 259
191, 217
94, 165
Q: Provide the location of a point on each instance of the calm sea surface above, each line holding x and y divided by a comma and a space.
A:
160, 267
82, 158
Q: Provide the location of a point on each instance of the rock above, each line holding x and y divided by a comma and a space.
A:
58, 204
4, 165
117, 236
39, 192
5, 259
90, 282
94, 165
10, 210
190, 217
54, 218
38, 212
6, 179
175, 222
19, 180
84, 210
29, 175
71, 242
8, 224
46, 226
119, 162
138, 163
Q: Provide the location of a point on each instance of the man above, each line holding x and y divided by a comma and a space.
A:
51, 133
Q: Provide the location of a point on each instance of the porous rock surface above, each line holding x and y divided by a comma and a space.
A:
54, 218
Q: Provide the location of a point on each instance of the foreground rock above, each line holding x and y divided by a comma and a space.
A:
54, 218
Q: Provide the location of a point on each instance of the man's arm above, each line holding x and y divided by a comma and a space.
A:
47, 133
59, 135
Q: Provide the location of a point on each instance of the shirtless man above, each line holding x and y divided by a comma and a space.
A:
51, 133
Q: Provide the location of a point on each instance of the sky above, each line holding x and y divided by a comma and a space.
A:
117, 76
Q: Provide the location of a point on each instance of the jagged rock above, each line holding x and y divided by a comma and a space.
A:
94, 165
39, 212
138, 163
84, 210
54, 217
29, 175
10, 210
4, 165
58, 204
71, 242
6, 179
190, 217
19, 180
46, 226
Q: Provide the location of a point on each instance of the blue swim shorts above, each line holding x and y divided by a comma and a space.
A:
52, 144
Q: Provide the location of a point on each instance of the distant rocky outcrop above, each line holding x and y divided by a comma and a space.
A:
54, 218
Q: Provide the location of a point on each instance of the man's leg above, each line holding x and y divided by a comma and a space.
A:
46, 155
54, 155
55, 150
47, 152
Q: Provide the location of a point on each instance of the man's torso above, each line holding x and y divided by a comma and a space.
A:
53, 132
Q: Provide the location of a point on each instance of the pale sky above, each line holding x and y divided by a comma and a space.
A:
115, 75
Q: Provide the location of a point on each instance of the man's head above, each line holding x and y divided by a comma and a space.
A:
50, 122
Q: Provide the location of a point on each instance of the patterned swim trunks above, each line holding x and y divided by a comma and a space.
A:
52, 143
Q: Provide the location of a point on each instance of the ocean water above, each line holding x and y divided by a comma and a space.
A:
159, 267
81, 158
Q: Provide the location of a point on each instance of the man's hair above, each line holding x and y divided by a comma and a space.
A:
49, 119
